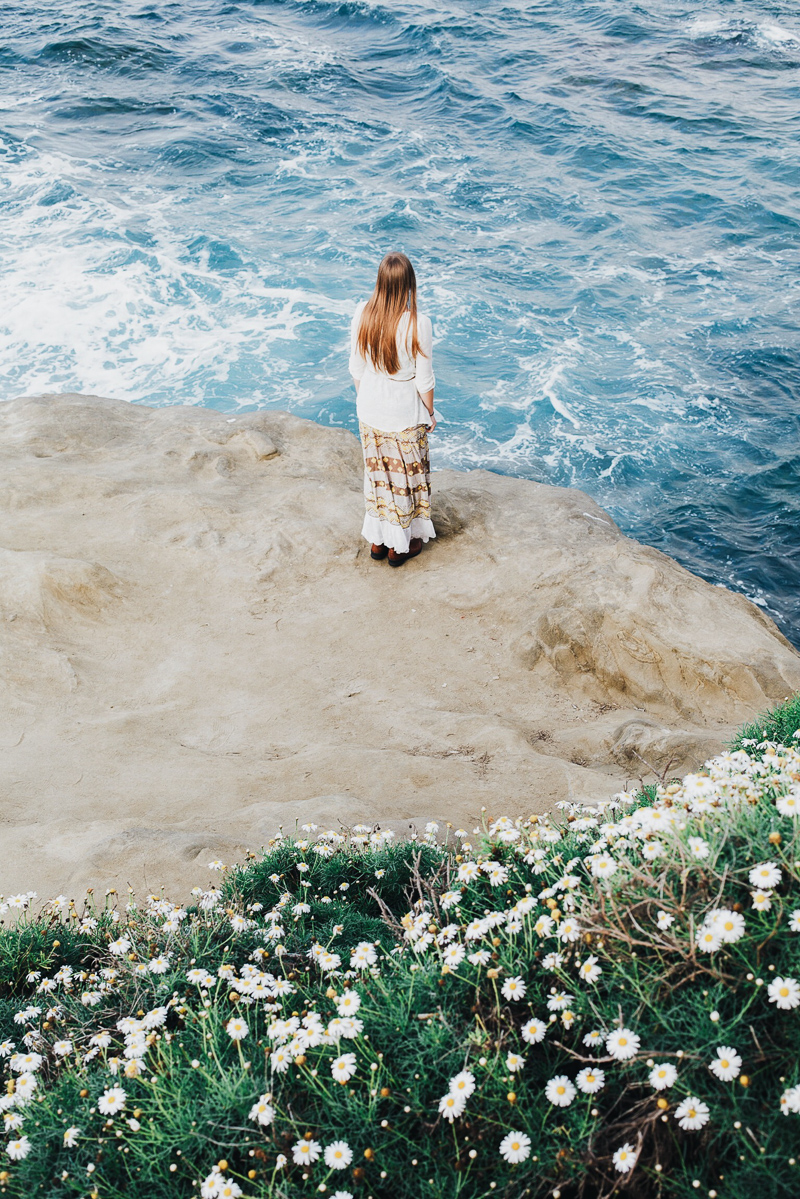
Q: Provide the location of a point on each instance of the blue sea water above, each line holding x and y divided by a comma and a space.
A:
602, 201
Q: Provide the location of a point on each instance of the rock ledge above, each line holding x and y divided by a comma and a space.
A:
196, 646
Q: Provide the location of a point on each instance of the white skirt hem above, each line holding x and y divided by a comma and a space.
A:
382, 532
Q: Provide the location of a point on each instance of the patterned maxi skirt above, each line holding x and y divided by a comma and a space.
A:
397, 487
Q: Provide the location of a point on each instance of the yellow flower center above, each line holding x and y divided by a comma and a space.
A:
784, 991
515, 1145
560, 1090
623, 1040
724, 1063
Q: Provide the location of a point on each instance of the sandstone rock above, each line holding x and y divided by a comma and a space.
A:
196, 647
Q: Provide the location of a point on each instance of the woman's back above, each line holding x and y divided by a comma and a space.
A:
391, 401
391, 362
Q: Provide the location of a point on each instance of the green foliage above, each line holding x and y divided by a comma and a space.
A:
781, 725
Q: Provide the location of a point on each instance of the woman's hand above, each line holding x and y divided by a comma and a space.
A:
427, 403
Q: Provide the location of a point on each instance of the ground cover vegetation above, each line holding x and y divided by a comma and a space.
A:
602, 1003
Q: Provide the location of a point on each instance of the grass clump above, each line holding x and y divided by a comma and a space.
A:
781, 725
605, 1005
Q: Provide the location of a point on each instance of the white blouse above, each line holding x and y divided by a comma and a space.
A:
391, 402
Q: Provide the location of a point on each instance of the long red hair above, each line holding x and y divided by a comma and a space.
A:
395, 292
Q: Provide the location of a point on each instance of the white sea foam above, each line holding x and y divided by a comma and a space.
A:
78, 316
726, 28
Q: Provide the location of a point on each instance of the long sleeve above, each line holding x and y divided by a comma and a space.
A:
424, 361
357, 362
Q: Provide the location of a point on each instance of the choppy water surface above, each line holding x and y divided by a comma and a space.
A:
601, 201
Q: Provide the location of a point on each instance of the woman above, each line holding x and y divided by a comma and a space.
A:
392, 367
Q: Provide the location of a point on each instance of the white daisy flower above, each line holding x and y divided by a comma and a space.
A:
624, 1158
515, 1147
514, 988
481, 957
462, 1083
727, 1065
784, 993
71, 1135
708, 939
692, 1113
594, 1039
590, 1080
453, 955
652, 850
699, 848
344, 1067
728, 924
794, 921
568, 930
789, 805
765, 876
262, 1112
348, 1003
280, 1061
468, 872
560, 1001
589, 970
111, 1101
451, 1106
533, 1031
603, 866
305, 1152
25, 1063
338, 1155
62, 1048
237, 1029
762, 900
560, 1091
514, 1062
19, 1149
663, 1075
25, 1086
622, 1044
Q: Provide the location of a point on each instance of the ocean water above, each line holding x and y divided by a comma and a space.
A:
602, 202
